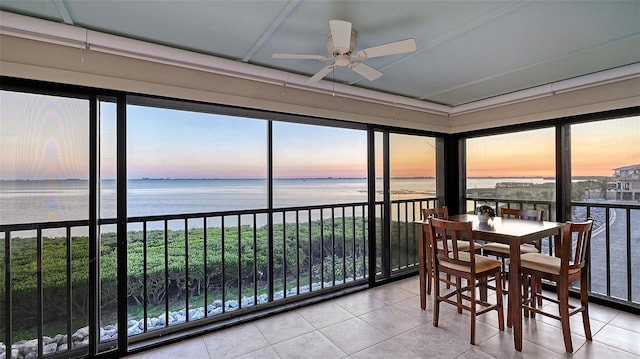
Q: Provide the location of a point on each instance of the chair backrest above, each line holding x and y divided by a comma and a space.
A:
528, 214
447, 234
438, 212
580, 234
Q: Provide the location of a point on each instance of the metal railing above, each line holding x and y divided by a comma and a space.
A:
403, 248
30, 264
615, 254
193, 269
548, 207
615, 251
218, 263
182, 269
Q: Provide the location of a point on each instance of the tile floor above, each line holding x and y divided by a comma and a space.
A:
387, 322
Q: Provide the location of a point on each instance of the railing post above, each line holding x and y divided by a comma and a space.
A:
7, 293
40, 294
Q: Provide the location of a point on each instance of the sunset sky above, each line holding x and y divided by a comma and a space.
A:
529, 154
43, 137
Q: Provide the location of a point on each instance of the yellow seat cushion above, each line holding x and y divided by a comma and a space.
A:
504, 248
482, 263
543, 263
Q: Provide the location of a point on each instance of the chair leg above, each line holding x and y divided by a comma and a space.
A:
459, 295
429, 271
536, 294
436, 298
509, 320
525, 294
538, 287
563, 299
504, 274
472, 286
499, 301
584, 301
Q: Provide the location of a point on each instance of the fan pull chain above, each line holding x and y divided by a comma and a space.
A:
333, 82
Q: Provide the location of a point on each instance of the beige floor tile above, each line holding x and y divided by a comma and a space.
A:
283, 326
392, 321
461, 325
549, 336
575, 322
191, 348
387, 322
597, 350
311, 345
430, 342
628, 321
389, 294
353, 335
619, 338
491, 318
264, 353
411, 285
475, 353
501, 346
602, 313
234, 341
324, 314
359, 303
411, 307
384, 350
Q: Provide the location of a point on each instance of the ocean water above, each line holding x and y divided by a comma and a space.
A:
45, 201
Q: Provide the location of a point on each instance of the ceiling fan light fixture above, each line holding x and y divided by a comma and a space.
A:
343, 60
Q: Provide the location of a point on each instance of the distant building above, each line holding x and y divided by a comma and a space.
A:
513, 184
627, 182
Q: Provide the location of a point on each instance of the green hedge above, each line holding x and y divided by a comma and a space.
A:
293, 252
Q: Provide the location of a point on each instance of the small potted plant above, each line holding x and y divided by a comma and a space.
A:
485, 212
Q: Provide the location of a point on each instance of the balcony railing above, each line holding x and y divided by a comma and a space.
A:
615, 254
182, 269
615, 267
403, 241
193, 269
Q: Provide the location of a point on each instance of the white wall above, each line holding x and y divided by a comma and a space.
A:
31, 59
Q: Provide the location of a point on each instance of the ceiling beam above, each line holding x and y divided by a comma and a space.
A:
63, 11
271, 29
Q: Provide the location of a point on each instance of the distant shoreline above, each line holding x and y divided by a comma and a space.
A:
289, 178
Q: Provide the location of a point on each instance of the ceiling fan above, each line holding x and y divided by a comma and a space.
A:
342, 42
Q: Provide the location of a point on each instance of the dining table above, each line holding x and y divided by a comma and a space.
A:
511, 231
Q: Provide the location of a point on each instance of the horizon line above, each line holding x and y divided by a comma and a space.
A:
275, 178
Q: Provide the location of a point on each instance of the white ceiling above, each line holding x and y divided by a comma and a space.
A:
466, 50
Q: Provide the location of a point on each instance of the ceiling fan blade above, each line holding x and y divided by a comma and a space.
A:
341, 34
322, 73
365, 70
392, 48
300, 56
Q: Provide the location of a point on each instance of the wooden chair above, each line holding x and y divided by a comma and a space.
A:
563, 268
462, 265
501, 250
442, 213
438, 212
